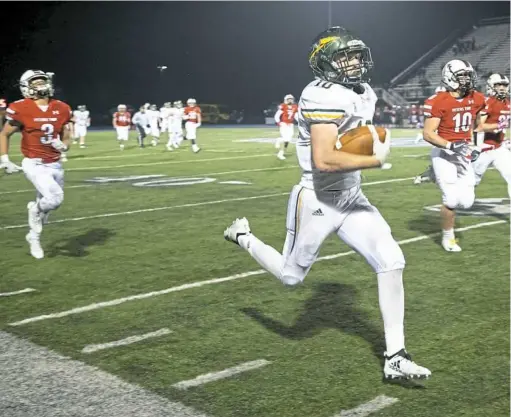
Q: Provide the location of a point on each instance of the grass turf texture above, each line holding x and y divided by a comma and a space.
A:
324, 338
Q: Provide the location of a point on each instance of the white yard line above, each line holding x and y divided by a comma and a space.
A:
240, 171
369, 407
202, 203
171, 162
23, 291
183, 287
127, 341
226, 373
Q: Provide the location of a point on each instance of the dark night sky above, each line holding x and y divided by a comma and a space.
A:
244, 54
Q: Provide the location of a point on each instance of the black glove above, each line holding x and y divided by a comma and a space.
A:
474, 155
459, 147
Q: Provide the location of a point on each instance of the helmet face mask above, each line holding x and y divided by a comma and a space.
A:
289, 99
498, 86
36, 84
339, 57
459, 76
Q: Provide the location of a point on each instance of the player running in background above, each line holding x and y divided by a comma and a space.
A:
285, 117
44, 123
450, 116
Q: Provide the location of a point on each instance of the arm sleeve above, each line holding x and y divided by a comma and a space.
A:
432, 107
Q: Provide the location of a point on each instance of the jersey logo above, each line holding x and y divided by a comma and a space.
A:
55, 112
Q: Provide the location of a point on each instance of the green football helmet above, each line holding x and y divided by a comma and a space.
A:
338, 56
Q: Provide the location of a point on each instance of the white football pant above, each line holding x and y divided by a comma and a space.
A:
122, 132
455, 176
191, 130
80, 131
48, 180
501, 159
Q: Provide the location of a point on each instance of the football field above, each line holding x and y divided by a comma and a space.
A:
138, 281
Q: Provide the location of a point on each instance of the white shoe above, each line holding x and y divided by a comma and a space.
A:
63, 158
75, 142
34, 217
239, 227
153, 142
401, 366
35, 246
417, 180
170, 148
281, 156
386, 165
195, 148
175, 145
451, 245
122, 147
82, 146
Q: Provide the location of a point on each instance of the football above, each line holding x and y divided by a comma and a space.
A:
360, 140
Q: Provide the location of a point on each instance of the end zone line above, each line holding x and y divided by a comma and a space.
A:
369, 407
23, 291
202, 203
226, 373
124, 342
96, 306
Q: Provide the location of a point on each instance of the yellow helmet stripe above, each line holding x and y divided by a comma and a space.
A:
322, 43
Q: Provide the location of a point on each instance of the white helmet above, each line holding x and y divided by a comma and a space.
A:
500, 92
289, 97
121, 107
30, 89
440, 89
178, 104
191, 102
459, 75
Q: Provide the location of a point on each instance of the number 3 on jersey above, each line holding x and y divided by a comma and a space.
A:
462, 122
47, 130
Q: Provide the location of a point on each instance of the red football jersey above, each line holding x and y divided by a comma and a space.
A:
192, 112
122, 119
39, 127
497, 111
288, 112
457, 115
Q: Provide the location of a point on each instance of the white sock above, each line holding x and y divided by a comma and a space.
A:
266, 256
448, 234
391, 295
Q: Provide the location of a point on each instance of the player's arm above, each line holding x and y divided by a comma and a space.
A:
326, 158
490, 127
199, 117
66, 135
7, 131
430, 133
113, 122
277, 116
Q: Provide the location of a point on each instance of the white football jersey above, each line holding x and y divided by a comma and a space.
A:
176, 115
325, 102
81, 117
165, 113
153, 116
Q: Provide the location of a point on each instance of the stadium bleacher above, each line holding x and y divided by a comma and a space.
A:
491, 53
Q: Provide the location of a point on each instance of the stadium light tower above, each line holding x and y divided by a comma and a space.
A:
329, 13
161, 68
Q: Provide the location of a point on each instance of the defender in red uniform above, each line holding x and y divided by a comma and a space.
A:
44, 123
285, 117
449, 119
121, 122
494, 120
193, 116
